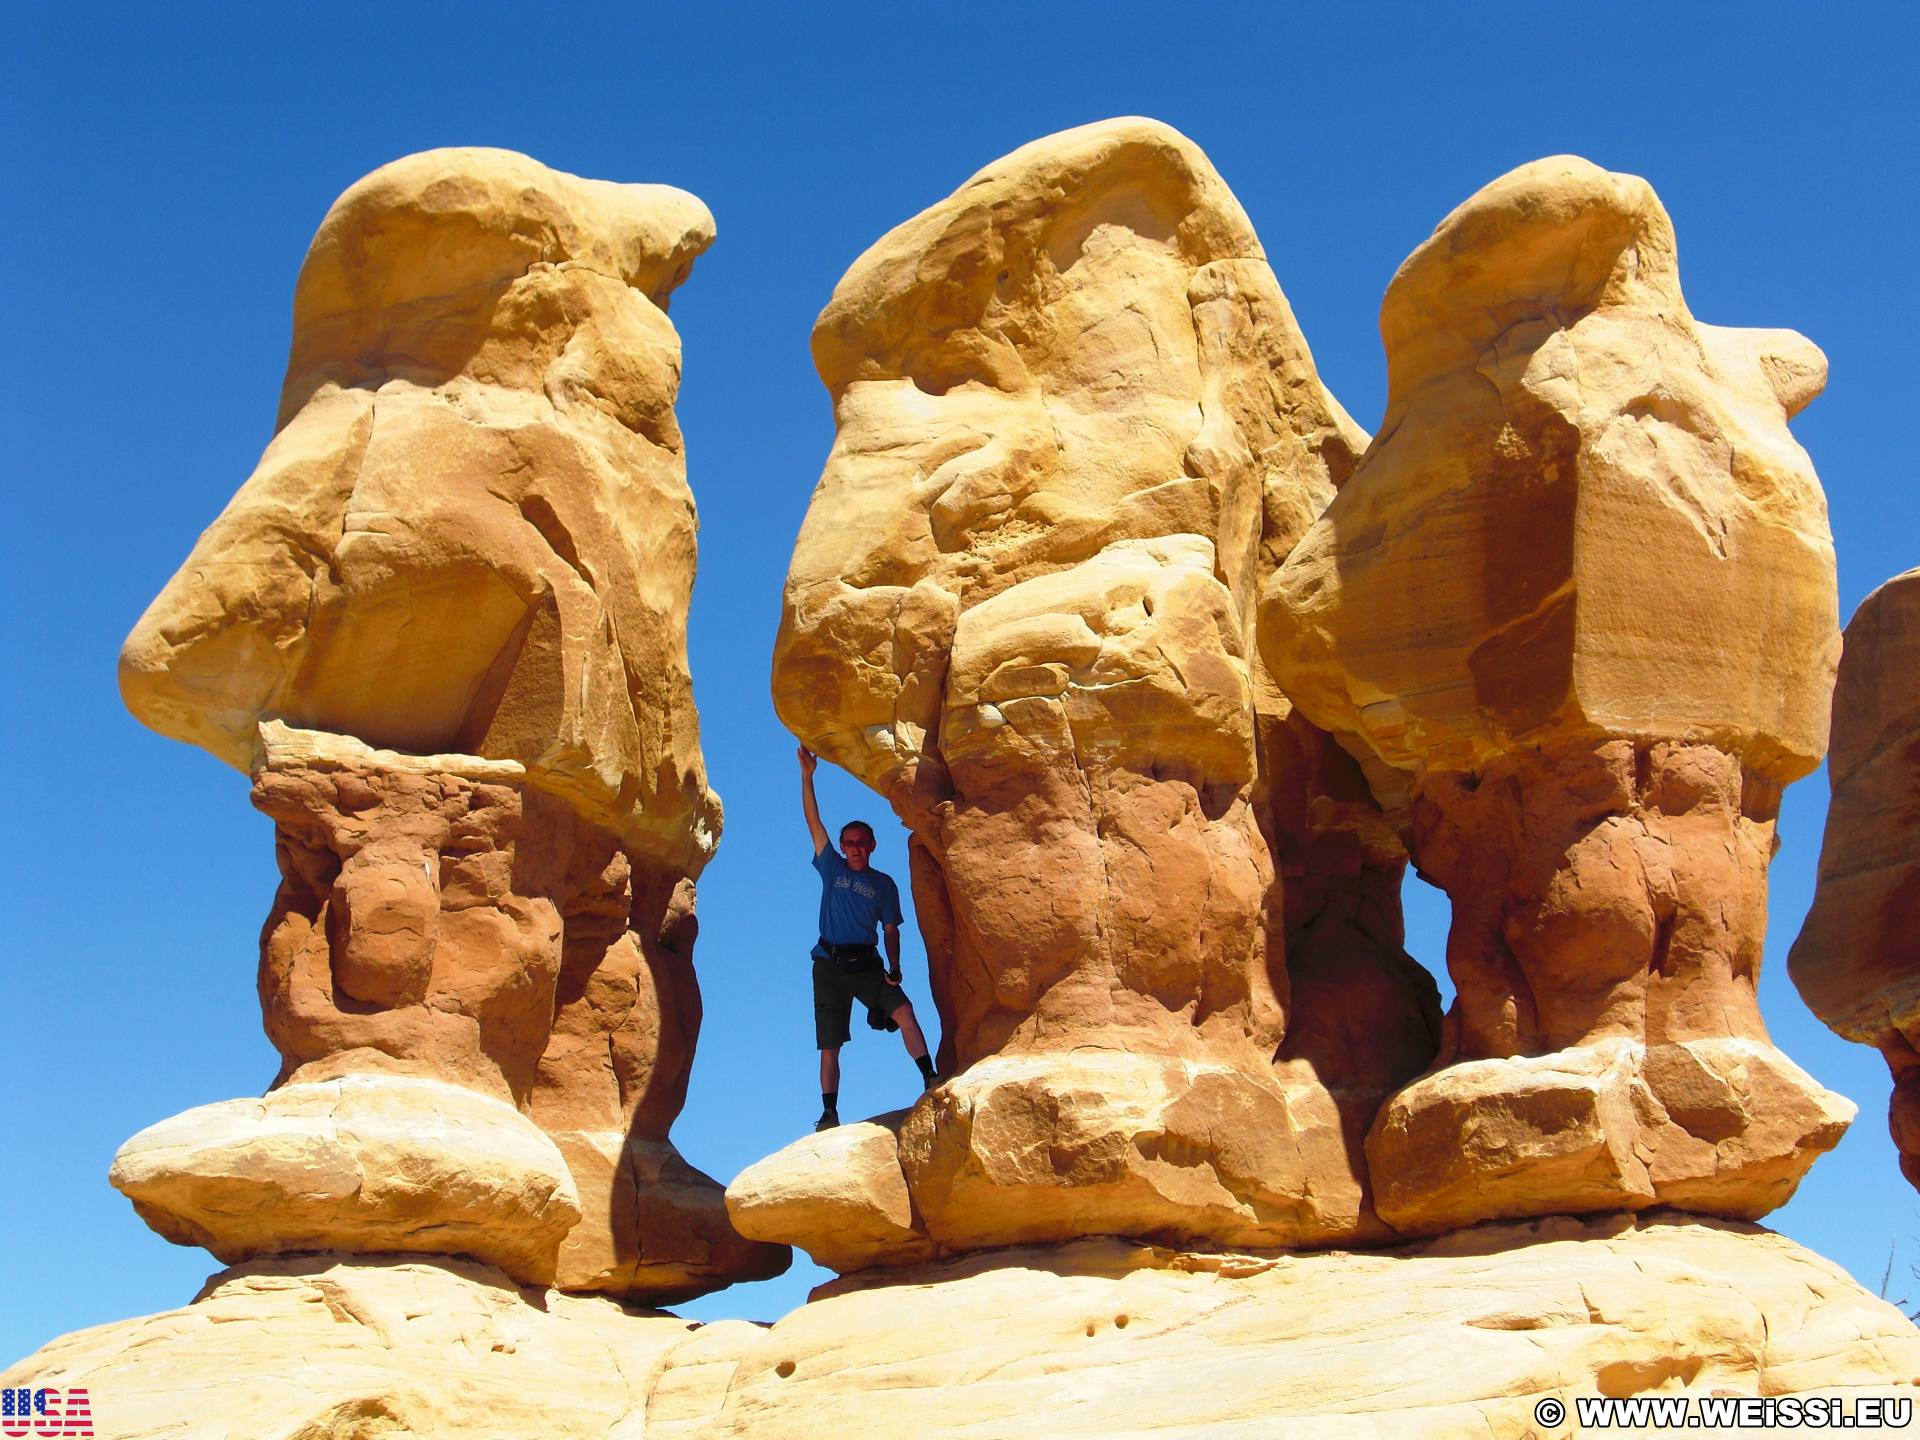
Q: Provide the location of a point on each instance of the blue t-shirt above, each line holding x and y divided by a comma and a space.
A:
853, 901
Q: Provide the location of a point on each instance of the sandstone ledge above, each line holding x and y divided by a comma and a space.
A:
1458, 1336
366, 1163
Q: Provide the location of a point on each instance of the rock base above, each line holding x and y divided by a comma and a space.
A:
375, 1164
1461, 1336
1722, 1127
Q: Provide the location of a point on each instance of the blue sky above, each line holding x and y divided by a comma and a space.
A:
166, 167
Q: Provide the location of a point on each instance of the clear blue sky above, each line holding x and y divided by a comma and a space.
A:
166, 166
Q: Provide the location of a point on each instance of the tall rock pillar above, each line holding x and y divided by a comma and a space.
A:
1575, 614
1076, 425
443, 626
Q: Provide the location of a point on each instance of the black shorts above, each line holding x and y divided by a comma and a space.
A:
835, 990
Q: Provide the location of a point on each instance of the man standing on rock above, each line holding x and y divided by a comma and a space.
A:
854, 898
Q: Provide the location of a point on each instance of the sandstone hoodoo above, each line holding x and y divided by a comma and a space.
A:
1171, 672
443, 626
1077, 426
1575, 609
1857, 960
1168, 669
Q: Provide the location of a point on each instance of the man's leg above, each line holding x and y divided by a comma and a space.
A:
829, 1090
915, 1042
832, 1007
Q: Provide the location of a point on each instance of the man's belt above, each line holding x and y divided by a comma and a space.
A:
851, 957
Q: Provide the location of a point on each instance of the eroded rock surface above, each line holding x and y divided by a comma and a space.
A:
838, 1194
472, 531
1076, 425
1456, 1337
443, 626
1575, 612
327, 1347
374, 1163
1857, 960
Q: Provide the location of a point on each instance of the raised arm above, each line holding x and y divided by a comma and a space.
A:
809, 806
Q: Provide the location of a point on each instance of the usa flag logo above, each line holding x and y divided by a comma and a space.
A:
46, 1410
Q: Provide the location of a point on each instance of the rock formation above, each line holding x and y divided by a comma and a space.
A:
1077, 425
1170, 671
1574, 610
443, 626
1458, 1337
1857, 960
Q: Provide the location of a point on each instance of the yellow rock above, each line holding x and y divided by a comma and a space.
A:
325, 1348
1463, 1337
472, 530
1076, 426
1574, 611
1584, 513
366, 1163
443, 625
838, 1194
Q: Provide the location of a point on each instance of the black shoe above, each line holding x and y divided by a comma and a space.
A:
927, 1082
829, 1118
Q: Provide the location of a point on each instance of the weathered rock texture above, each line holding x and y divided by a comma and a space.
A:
368, 1162
472, 531
1575, 612
1857, 960
332, 1347
1457, 1337
443, 626
1077, 425
840, 1194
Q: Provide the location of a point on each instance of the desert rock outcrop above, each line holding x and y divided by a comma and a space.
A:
1462, 1336
1857, 960
1076, 426
1574, 610
1170, 671
443, 626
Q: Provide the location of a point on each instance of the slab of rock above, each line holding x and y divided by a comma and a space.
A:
1857, 961
443, 626
335, 1346
1457, 1337
1605, 1126
1076, 425
1575, 611
365, 1163
838, 1194
1038, 1146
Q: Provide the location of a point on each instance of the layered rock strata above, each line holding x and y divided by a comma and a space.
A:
1076, 426
1463, 1336
1574, 611
443, 626
1857, 960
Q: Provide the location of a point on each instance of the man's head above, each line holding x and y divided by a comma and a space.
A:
856, 843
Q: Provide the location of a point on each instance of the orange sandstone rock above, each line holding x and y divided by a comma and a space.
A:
1077, 425
1575, 611
443, 625
1857, 960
